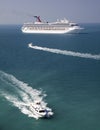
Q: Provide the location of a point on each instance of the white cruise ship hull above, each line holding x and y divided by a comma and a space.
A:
49, 31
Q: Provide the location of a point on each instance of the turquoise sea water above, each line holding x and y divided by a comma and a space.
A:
71, 83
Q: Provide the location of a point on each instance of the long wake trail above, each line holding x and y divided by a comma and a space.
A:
20, 94
66, 52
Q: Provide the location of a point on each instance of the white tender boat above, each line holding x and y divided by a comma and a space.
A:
58, 27
40, 111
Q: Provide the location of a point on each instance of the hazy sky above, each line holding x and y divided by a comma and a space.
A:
20, 11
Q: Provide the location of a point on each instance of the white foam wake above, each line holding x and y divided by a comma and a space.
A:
20, 94
65, 52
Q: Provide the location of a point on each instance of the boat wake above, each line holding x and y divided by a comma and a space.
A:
20, 94
65, 52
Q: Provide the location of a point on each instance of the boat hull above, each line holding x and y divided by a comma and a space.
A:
49, 31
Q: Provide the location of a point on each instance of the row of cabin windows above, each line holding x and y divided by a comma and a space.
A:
47, 28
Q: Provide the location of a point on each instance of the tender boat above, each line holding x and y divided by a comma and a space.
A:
40, 111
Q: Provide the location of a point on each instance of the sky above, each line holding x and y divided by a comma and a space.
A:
20, 11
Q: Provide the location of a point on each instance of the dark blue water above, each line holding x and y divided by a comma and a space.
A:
72, 84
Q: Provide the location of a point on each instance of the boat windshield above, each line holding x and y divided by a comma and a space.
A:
42, 111
38, 103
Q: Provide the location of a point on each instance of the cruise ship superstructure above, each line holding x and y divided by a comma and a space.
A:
58, 27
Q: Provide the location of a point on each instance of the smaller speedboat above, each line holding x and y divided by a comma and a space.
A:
40, 111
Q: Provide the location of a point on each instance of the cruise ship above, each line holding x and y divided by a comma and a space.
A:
58, 27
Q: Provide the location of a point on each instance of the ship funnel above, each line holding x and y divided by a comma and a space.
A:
37, 18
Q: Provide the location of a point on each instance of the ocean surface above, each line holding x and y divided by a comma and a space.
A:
63, 71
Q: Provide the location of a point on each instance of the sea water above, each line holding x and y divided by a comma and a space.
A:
63, 71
